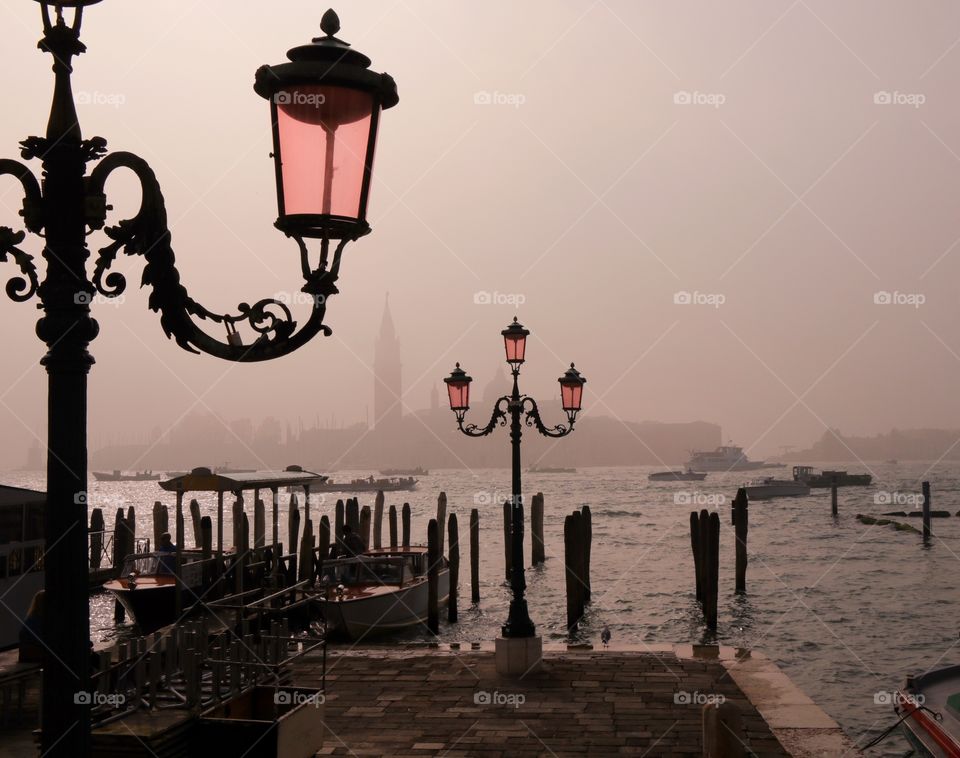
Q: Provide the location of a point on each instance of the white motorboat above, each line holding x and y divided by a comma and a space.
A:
725, 458
379, 591
769, 488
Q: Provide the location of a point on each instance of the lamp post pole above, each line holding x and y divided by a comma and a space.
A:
338, 89
522, 410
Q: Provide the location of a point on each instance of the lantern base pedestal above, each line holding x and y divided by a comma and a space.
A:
516, 656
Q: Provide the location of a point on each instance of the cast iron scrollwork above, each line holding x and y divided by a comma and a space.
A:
532, 419
22, 288
497, 418
146, 234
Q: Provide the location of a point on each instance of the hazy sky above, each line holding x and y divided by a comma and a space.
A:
782, 162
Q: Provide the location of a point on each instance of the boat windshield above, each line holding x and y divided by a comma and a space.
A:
364, 571
141, 565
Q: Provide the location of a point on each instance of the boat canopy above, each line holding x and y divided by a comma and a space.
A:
205, 480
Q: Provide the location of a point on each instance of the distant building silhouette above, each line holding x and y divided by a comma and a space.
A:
387, 381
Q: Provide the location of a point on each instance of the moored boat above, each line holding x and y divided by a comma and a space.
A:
370, 484
380, 591
929, 706
118, 476
808, 476
768, 488
677, 476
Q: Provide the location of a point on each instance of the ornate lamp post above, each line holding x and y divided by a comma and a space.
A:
515, 406
325, 106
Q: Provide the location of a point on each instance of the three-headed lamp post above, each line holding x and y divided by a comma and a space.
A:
520, 410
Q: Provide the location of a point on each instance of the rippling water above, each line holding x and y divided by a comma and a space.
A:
847, 610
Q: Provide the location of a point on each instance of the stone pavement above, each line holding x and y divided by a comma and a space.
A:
442, 700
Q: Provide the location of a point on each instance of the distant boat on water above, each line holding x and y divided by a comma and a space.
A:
550, 470
725, 458
370, 484
118, 476
768, 488
807, 475
418, 471
677, 476
891, 461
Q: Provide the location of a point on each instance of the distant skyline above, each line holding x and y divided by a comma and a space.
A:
743, 213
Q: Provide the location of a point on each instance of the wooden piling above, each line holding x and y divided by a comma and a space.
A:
926, 513
195, 521
571, 530
259, 526
695, 546
324, 544
365, 526
586, 549
538, 554
158, 526
339, 519
441, 518
433, 561
353, 514
119, 537
453, 554
393, 527
378, 521
740, 527
206, 537
474, 556
293, 530
507, 541
833, 497
96, 537
305, 563
723, 734
704, 538
405, 519
713, 567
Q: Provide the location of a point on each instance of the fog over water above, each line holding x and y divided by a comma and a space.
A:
587, 166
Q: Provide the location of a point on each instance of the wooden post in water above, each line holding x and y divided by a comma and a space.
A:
538, 554
433, 560
365, 526
713, 550
158, 529
695, 545
206, 537
96, 538
353, 514
833, 497
324, 553
507, 541
587, 525
740, 526
119, 538
339, 519
442, 518
405, 519
393, 527
926, 513
219, 532
195, 521
453, 553
293, 528
378, 521
180, 537
704, 537
305, 568
259, 526
570, 573
474, 556
275, 531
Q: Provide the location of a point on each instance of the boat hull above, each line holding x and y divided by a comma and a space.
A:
769, 492
677, 476
359, 618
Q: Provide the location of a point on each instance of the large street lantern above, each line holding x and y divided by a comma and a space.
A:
325, 104
518, 629
325, 108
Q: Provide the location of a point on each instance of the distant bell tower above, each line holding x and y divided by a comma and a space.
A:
387, 383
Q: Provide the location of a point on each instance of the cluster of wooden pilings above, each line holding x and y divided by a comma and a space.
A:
705, 544
577, 544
